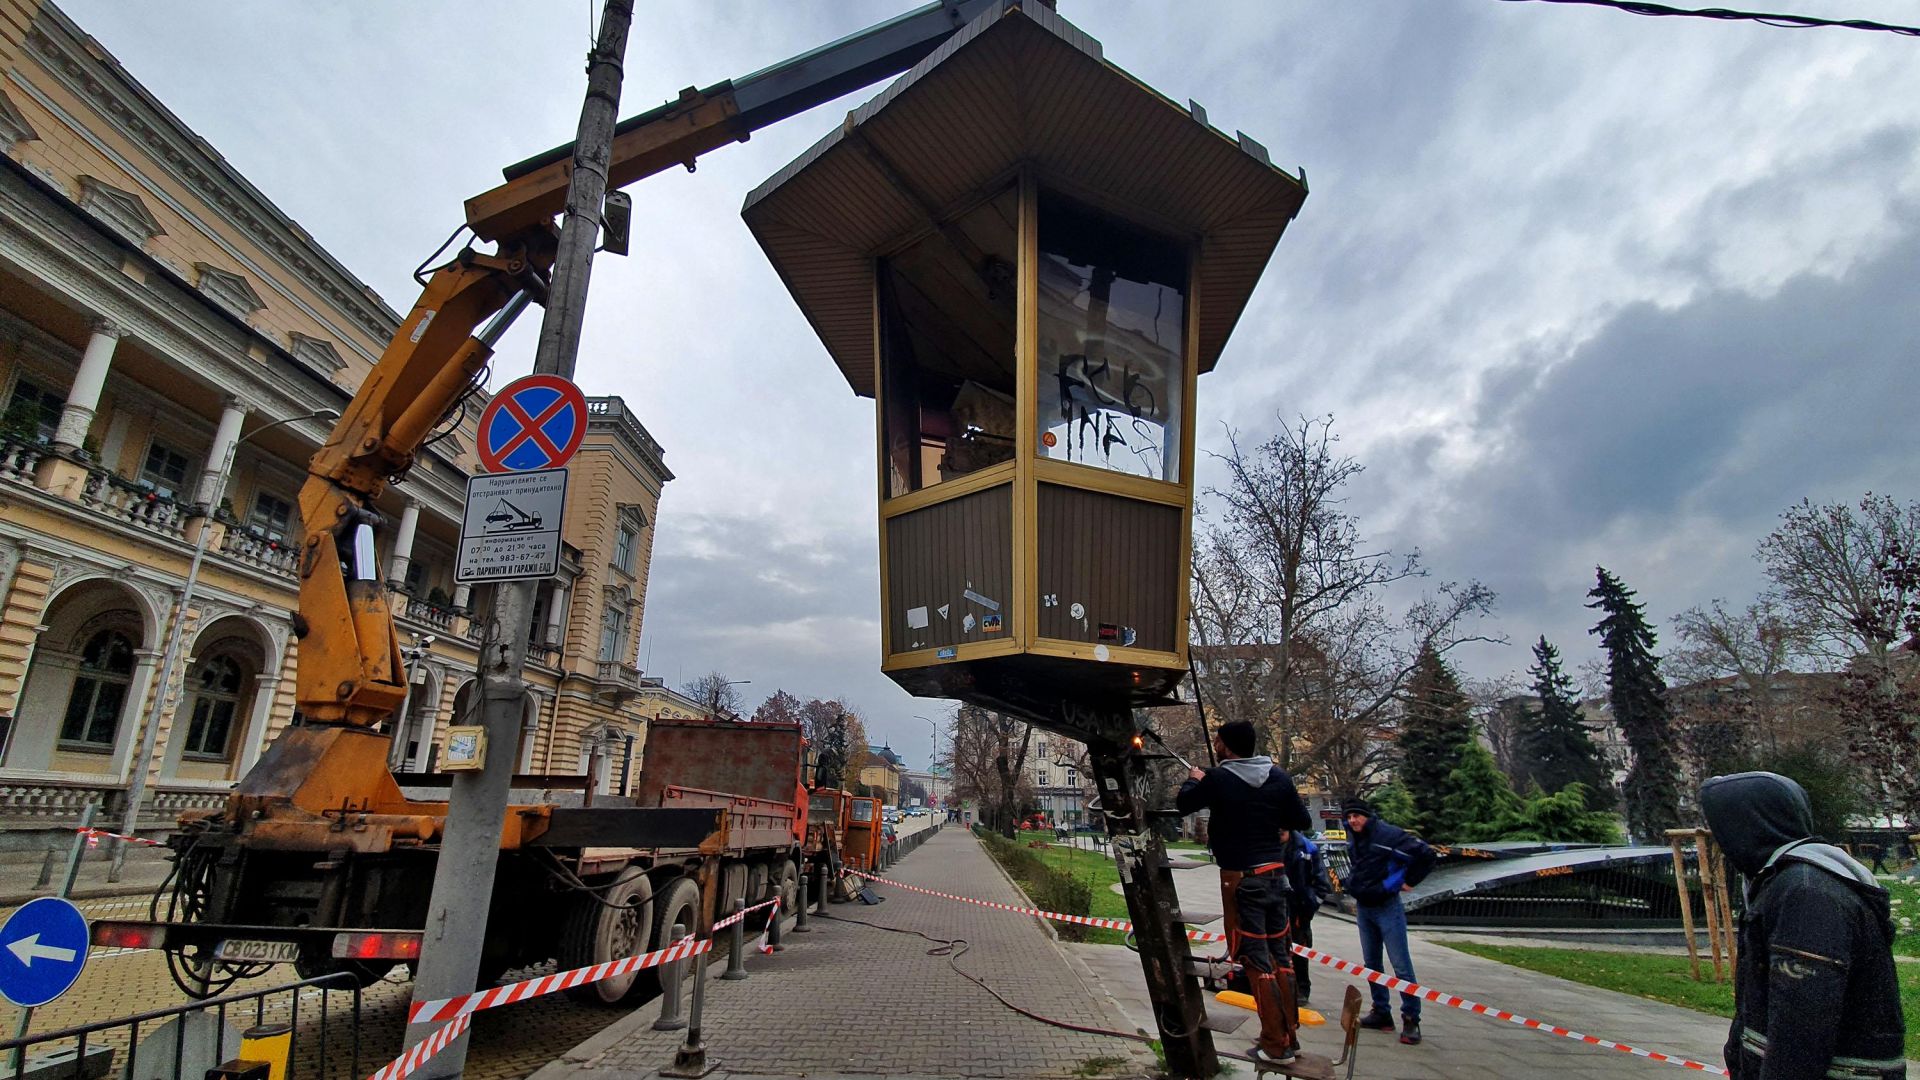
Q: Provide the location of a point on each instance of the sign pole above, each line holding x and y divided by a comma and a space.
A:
477, 804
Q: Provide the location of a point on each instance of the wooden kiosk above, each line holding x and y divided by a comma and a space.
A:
1027, 257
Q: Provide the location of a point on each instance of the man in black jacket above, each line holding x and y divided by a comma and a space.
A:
1252, 800
1309, 887
1386, 861
1815, 994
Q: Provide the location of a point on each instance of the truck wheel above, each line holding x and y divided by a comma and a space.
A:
789, 887
595, 932
757, 878
678, 902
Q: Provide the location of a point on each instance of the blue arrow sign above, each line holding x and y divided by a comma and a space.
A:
43, 948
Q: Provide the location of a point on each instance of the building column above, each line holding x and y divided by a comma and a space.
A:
403, 545
556, 614
219, 459
146, 665
77, 418
254, 739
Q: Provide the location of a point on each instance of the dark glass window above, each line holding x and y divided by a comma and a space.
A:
165, 469
216, 701
1112, 343
33, 412
99, 691
272, 517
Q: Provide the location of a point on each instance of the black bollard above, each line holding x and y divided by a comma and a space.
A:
800, 910
736, 951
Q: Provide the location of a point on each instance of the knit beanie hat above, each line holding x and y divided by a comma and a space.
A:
1357, 806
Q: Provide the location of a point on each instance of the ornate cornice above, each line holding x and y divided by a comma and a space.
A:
14, 128
86, 69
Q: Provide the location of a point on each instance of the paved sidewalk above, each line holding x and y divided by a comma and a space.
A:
855, 1000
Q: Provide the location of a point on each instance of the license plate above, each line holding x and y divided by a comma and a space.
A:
258, 952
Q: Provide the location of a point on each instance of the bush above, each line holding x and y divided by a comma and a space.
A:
1046, 888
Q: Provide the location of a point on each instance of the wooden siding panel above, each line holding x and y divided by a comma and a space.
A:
1118, 557
938, 553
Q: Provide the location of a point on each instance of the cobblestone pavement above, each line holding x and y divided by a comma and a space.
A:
507, 1044
855, 1000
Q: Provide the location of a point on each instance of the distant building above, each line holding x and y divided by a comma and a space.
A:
882, 773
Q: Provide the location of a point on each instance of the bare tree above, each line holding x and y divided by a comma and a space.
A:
1827, 564
715, 691
988, 754
1287, 624
1496, 715
1753, 648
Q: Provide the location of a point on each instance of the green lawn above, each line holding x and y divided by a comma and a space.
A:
1660, 977
1905, 897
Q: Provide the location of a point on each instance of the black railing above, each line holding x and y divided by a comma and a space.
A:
87, 1051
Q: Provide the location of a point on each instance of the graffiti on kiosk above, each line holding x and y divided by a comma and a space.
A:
1110, 415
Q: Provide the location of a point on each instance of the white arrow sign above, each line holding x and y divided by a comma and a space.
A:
29, 949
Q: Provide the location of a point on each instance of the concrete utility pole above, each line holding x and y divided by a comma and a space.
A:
470, 849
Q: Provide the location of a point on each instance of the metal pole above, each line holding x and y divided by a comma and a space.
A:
800, 910
737, 947
66, 889
672, 975
690, 1061
170, 657
477, 803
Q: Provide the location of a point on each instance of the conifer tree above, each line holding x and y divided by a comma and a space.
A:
1434, 735
1555, 749
1638, 696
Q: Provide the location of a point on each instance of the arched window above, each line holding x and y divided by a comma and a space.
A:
99, 691
216, 700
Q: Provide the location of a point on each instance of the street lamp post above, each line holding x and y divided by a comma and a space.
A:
170, 659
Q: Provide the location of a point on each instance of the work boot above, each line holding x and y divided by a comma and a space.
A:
1377, 1020
1410, 1033
1277, 1022
1272, 1061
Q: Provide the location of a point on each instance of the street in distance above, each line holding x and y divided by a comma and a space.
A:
510, 529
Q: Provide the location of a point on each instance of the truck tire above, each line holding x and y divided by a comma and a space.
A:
789, 887
677, 902
594, 932
757, 879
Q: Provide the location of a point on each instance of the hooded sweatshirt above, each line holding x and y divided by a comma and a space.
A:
1251, 800
1815, 994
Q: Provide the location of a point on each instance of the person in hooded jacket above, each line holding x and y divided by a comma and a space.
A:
1252, 800
1384, 861
1815, 994
1309, 887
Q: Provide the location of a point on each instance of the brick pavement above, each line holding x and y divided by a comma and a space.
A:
854, 1000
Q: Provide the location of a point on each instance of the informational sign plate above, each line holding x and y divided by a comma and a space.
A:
511, 529
533, 423
43, 948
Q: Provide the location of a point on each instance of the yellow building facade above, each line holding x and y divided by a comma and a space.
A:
170, 345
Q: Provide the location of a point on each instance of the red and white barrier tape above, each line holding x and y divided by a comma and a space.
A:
93, 837
409, 1063
739, 916
1349, 967
448, 1008
765, 944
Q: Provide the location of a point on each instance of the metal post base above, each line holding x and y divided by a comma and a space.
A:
690, 1063
1178, 1007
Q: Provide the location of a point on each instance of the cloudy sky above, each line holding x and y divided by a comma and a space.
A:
1578, 286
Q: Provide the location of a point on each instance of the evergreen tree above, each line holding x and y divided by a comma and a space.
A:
1554, 747
1638, 696
1481, 798
1435, 732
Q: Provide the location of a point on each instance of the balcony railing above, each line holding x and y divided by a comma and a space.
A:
274, 555
136, 504
19, 459
618, 674
426, 611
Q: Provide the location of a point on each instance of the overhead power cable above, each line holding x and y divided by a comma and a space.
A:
1795, 22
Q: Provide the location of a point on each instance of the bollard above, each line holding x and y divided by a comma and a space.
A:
736, 951
773, 930
670, 979
269, 1043
800, 910
690, 1061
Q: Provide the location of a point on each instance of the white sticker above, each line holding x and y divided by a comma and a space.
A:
426, 320
1100, 653
917, 618
1077, 612
990, 605
943, 610
966, 624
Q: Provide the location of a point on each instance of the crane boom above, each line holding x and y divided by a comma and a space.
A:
351, 671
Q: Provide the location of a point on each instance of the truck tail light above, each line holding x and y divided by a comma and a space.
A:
376, 945
127, 935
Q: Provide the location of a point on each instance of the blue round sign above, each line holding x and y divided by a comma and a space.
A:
43, 948
533, 423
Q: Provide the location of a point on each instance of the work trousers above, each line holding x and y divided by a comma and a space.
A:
1258, 938
1302, 967
1384, 926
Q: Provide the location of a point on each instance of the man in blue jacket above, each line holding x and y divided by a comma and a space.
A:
1386, 861
1310, 887
1253, 801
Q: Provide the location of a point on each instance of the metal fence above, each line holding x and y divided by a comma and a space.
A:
182, 1042
900, 848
